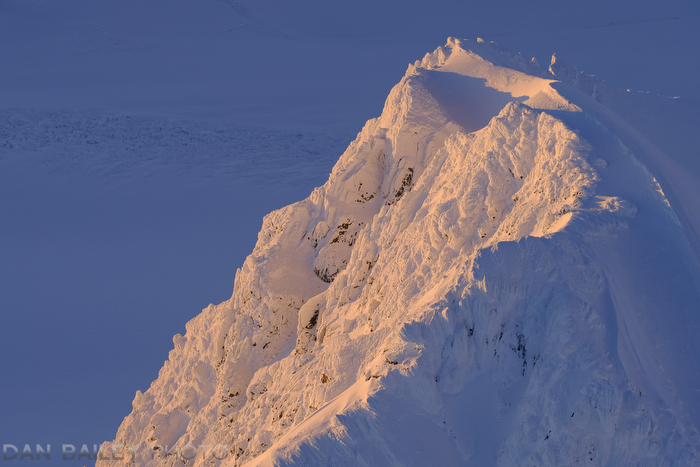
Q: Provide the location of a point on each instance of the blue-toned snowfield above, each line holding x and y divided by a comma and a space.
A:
501, 269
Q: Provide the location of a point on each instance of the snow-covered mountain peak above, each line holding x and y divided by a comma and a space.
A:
488, 64
467, 285
489, 51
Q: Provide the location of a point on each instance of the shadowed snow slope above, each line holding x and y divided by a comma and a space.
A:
491, 275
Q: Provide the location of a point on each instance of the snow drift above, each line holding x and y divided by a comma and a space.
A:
500, 270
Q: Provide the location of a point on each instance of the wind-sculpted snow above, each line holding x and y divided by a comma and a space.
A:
477, 282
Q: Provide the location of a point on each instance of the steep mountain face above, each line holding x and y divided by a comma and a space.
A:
491, 274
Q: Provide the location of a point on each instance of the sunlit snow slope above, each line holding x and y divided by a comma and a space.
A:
501, 269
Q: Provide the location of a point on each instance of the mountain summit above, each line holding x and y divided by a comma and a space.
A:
501, 269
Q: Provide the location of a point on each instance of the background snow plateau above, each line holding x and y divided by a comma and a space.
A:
126, 149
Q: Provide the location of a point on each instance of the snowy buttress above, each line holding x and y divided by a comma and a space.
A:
466, 286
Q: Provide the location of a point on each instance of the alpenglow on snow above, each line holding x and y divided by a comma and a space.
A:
502, 269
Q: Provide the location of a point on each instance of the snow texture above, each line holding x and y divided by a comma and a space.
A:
500, 270
107, 146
